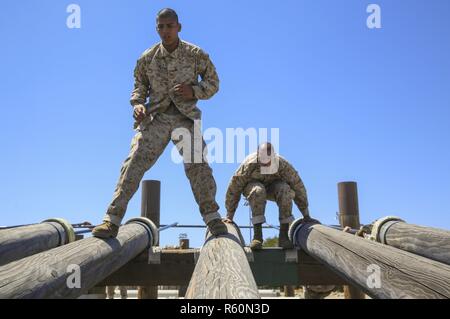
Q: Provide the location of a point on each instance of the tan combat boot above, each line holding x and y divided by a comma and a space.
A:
105, 230
257, 241
283, 238
217, 227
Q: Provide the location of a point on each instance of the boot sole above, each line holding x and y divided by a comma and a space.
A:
103, 236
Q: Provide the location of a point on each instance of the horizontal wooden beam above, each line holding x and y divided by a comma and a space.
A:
380, 271
20, 242
428, 242
71, 270
222, 270
269, 269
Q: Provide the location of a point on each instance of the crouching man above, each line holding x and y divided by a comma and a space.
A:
264, 176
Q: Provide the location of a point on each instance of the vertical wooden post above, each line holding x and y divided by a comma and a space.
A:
289, 291
184, 244
150, 208
349, 216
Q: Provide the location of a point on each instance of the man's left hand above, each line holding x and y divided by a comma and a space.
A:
184, 91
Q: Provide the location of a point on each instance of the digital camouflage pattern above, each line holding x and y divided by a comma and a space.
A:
283, 186
156, 73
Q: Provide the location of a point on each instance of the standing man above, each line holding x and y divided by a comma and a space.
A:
263, 176
168, 74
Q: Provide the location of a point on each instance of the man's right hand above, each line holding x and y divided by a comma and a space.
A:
139, 113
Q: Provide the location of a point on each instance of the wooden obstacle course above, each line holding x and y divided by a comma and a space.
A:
225, 269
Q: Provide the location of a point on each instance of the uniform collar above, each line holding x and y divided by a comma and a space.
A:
163, 53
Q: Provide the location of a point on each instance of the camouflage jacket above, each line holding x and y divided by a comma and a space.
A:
250, 171
158, 71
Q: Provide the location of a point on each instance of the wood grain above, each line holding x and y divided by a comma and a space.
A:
20, 242
45, 275
401, 274
428, 242
222, 271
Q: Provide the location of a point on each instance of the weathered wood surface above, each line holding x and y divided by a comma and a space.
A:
349, 216
269, 269
47, 274
379, 270
428, 242
20, 242
222, 270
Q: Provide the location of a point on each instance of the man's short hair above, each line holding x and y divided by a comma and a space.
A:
268, 147
167, 13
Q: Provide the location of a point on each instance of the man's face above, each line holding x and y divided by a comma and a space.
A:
168, 29
265, 156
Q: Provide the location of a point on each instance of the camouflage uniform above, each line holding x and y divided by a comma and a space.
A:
156, 73
282, 186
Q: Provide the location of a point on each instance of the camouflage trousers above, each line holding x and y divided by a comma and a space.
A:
148, 144
279, 191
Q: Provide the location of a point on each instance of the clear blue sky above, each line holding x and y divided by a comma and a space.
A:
351, 103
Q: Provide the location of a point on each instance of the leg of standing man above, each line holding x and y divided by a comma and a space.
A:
189, 141
146, 147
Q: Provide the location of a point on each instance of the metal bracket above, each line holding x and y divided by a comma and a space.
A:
249, 253
291, 255
154, 255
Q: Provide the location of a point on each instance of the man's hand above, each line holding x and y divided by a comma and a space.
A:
184, 91
139, 113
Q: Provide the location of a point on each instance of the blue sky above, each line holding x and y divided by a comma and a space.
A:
351, 103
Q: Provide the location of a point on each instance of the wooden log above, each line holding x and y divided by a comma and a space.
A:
150, 208
20, 242
71, 270
222, 270
380, 271
289, 291
428, 242
349, 216
184, 244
